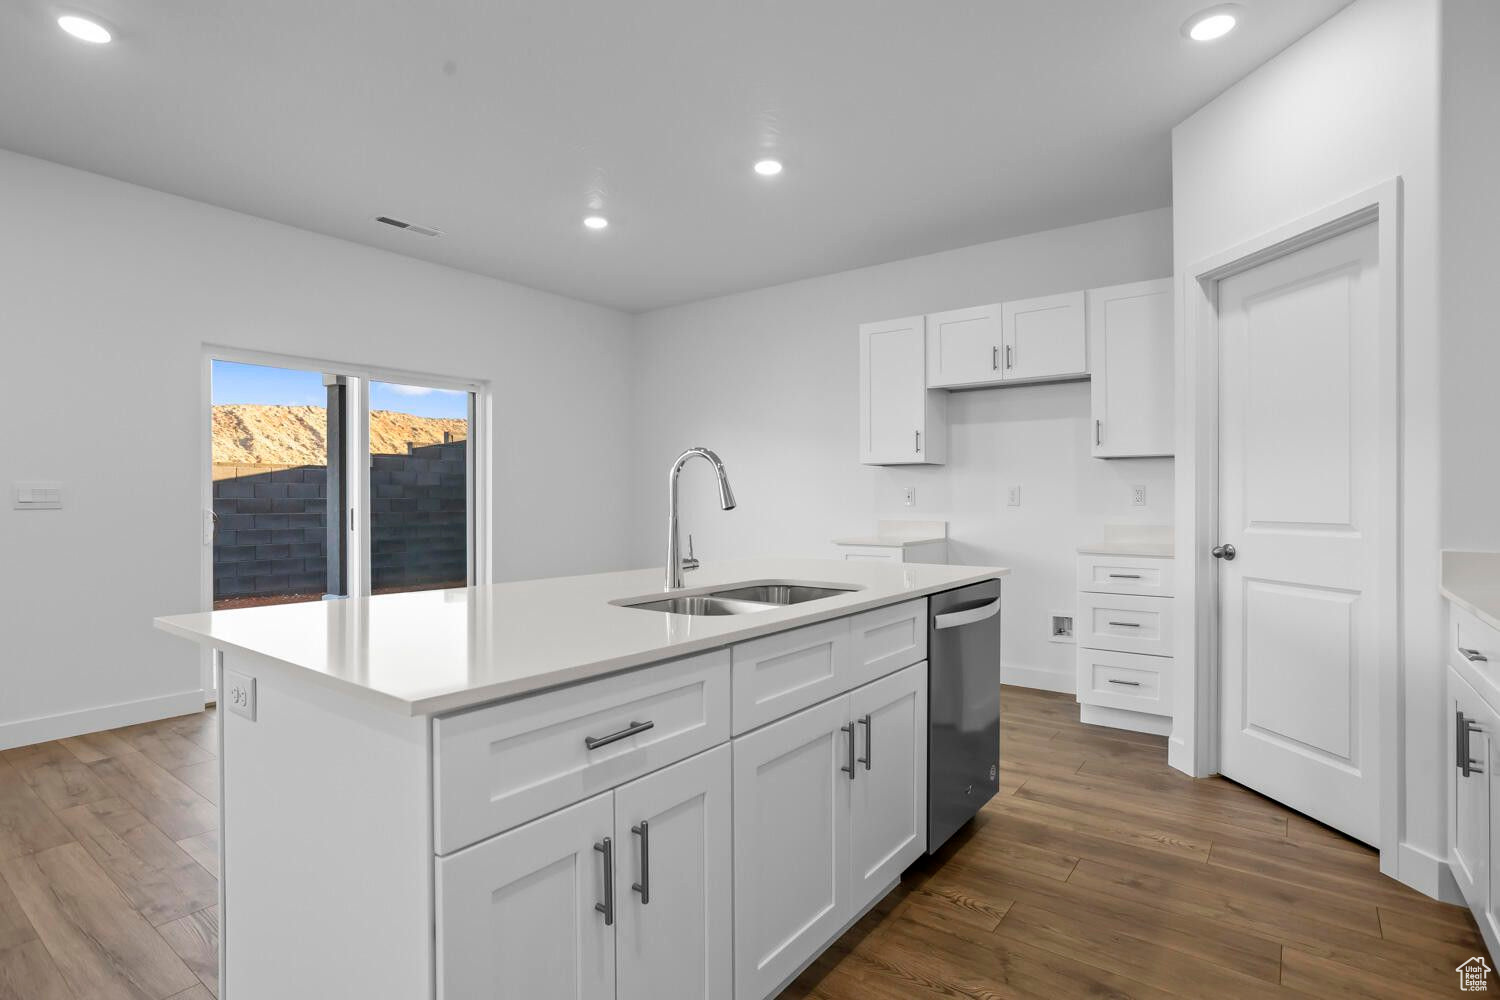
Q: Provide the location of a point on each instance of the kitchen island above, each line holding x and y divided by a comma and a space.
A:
540, 789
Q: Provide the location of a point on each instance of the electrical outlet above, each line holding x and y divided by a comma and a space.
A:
909, 496
1062, 627
1138, 496
1013, 497
239, 694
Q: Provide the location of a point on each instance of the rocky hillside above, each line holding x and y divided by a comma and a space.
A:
245, 434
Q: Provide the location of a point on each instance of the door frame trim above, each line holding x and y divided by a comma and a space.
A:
1194, 744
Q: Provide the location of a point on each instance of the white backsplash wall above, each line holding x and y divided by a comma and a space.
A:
769, 379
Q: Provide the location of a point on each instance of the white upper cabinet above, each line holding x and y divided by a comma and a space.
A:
901, 421
1044, 338
964, 347
1130, 354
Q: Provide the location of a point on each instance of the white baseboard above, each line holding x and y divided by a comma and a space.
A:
1119, 718
1427, 873
1061, 681
25, 732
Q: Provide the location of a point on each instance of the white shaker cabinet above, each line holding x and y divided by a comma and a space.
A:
1130, 338
964, 347
516, 914
901, 421
791, 816
673, 928
1044, 338
888, 797
1469, 821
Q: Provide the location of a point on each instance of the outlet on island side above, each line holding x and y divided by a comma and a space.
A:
239, 693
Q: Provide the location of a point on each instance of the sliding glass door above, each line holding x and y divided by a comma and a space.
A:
325, 483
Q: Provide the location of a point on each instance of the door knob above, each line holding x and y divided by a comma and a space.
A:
1225, 552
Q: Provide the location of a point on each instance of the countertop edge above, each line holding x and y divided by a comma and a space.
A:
1472, 607
563, 677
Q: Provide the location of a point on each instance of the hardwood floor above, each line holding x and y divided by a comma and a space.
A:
1100, 871
108, 865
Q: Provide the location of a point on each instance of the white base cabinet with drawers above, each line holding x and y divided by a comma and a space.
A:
1474, 768
695, 829
1124, 627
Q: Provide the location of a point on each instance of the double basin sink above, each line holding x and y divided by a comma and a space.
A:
741, 600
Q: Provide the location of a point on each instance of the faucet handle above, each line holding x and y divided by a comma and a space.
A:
690, 561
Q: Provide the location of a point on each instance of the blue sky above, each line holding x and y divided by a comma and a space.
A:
239, 383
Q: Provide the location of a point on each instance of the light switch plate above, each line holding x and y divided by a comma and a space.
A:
38, 496
1013, 497
239, 693
909, 496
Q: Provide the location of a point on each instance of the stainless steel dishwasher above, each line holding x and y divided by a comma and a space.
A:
963, 706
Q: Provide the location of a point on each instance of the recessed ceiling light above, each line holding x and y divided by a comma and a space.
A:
768, 168
595, 221
1206, 25
84, 29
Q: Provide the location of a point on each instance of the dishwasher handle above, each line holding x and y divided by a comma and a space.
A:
967, 616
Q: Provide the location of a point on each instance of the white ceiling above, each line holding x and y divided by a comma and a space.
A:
906, 127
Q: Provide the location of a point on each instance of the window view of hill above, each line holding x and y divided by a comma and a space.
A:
249, 435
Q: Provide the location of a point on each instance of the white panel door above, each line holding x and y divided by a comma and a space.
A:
1299, 489
963, 347
516, 914
901, 422
1130, 367
673, 883
888, 797
1044, 337
791, 842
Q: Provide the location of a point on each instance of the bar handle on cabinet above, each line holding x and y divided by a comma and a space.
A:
644, 885
635, 728
995, 358
869, 741
917, 441
1124, 576
1131, 684
1098, 433
852, 761
1473, 655
606, 847
1126, 624
1007, 357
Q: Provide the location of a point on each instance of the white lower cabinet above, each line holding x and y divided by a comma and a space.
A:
674, 936
531, 913
829, 807
516, 913
888, 797
1473, 724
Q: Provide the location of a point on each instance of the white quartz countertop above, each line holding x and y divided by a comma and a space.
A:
442, 650
1150, 550
1472, 581
887, 541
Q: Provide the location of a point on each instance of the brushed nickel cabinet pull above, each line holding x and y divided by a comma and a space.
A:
644, 885
606, 847
1126, 624
1473, 655
595, 742
850, 769
1124, 576
1133, 684
995, 358
869, 741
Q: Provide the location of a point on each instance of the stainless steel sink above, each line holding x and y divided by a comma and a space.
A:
702, 605
742, 600
781, 594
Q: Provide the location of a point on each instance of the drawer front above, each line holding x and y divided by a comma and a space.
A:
498, 767
787, 672
1125, 624
1125, 575
1472, 642
886, 639
881, 553
1132, 681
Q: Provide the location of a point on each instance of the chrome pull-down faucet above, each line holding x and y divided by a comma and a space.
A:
675, 561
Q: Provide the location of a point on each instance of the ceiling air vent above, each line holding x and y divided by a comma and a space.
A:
410, 227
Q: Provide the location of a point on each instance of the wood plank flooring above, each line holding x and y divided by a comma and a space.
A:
1101, 872
108, 865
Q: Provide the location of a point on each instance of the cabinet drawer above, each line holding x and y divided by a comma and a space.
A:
1131, 681
1139, 575
1472, 641
497, 767
886, 639
1125, 623
783, 673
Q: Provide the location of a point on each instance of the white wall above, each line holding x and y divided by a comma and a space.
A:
769, 379
108, 292
1351, 105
